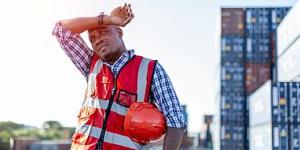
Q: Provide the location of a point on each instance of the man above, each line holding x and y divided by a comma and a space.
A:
113, 74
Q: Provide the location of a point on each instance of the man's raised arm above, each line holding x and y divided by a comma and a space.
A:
120, 16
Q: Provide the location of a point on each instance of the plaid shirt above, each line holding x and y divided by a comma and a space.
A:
162, 89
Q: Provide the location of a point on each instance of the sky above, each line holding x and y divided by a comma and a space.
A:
38, 81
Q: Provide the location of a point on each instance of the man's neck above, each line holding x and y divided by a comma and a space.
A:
118, 55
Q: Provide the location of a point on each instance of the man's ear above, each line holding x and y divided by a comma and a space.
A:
120, 31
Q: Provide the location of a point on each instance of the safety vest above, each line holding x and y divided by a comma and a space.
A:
107, 99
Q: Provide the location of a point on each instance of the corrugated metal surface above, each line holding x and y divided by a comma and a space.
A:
283, 99
233, 136
294, 102
256, 75
232, 21
232, 48
280, 137
258, 21
294, 136
277, 15
258, 49
260, 103
289, 29
261, 137
288, 63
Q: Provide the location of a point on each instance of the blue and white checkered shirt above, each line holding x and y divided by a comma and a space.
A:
161, 89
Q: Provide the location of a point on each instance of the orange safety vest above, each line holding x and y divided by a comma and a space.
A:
107, 99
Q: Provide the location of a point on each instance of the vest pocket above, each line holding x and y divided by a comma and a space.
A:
125, 98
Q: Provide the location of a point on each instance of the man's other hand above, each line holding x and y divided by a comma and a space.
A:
122, 15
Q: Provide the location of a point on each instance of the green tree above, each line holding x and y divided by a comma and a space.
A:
52, 125
9, 126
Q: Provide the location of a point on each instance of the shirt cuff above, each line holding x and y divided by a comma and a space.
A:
176, 122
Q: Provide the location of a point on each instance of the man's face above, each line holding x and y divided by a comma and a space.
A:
106, 42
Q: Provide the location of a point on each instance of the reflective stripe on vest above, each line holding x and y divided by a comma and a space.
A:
109, 136
92, 77
103, 104
142, 80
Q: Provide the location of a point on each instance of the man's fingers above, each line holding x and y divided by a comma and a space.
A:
125, 22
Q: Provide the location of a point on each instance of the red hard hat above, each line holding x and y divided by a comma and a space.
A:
144, 123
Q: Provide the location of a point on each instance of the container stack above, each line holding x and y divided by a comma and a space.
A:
233, 102
247, 51
274, 116
261, 24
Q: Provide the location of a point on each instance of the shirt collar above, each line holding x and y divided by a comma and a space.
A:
122, 60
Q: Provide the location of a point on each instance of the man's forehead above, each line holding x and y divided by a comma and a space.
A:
101, 28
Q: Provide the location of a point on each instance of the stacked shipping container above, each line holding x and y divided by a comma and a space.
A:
274, 116
288, 46
233, 120
247, 50
261, 24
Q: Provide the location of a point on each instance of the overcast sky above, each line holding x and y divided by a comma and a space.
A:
38, 81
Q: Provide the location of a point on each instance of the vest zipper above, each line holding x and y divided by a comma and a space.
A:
107, 111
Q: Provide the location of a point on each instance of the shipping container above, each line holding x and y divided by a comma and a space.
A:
232, 49
256, 74
294, 136
293, 102
258, 21
289, 62
283, 113
289, 29
51, 145
280, 136
232, 21
21, 143
261, 137
260, 103
258, 49
270, 103
277, 15
269, 136
233, 136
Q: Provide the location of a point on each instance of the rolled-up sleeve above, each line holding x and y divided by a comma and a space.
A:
166, 99
75, 47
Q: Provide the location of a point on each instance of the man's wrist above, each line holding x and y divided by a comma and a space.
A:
106, 20
100, 20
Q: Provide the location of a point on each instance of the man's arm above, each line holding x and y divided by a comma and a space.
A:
67, 33
166, 99
173, 138
120, 16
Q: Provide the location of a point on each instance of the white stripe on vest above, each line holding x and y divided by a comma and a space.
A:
142, 80
92, 77
103, 104
109, 136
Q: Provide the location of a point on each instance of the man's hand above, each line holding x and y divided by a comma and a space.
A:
121, 16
